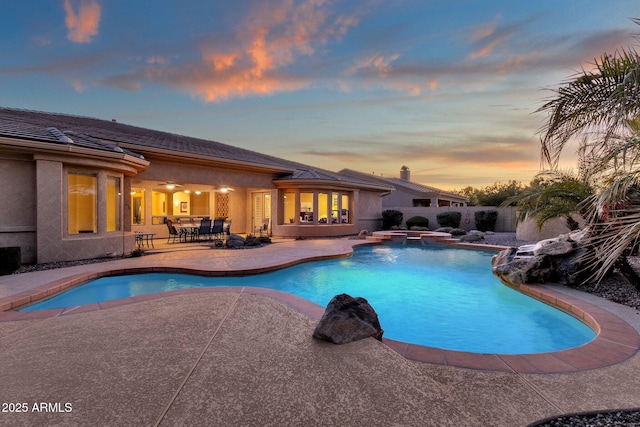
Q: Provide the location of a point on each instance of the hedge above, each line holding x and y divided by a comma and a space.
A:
449, 219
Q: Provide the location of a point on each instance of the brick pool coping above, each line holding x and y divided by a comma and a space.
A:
616, 340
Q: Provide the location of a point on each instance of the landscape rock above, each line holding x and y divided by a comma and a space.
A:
553, 248
557, 260
235, 241
347, 319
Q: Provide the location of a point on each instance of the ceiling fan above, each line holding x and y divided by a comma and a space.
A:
170, 185
224, 189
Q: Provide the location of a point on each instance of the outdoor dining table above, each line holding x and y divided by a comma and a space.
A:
188, 230
142, 238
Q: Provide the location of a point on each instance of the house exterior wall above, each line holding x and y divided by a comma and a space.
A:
402, 197
53, 241
369, 211
18, 210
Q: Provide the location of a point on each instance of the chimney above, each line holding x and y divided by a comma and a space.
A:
405, 173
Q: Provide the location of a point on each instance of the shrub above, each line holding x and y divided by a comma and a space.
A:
486, 220
252, 240
457, 232
390, 218
10, 259
137, 252
417, 221
449, 219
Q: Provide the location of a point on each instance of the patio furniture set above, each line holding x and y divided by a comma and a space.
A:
207, 229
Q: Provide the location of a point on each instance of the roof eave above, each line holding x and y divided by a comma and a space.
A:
205, 159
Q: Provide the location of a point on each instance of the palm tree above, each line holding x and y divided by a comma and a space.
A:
601, 109
552, 194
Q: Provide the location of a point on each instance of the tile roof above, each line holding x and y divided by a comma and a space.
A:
109, 135
398, 182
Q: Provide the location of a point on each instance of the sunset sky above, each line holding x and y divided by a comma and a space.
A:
448, 88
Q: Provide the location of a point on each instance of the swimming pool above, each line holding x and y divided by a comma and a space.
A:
432, 296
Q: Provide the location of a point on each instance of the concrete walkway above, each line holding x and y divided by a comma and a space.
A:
221, 358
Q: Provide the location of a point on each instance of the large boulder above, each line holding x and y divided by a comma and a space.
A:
235, 241
348, 319
557, 260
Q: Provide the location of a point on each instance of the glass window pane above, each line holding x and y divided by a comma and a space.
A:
113, 203
137, 206
289, 207
158, 203
82, 203
306, 208
323, 208
345, 217
335, 206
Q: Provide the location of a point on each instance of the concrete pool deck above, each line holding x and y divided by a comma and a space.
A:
246, 357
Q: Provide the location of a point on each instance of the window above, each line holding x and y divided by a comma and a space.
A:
323, 208
345, 209
316, 207
113, 203
137, 206
158, 203
81, 203
289, 207
306, 208
421, 203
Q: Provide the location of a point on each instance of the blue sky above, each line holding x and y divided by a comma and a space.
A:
448, 88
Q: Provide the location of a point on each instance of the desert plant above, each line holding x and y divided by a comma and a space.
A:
449, 219
600, 110
418, 221
486, 220
137, 252
391, 218
553, 194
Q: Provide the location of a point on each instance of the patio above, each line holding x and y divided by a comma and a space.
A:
239, 357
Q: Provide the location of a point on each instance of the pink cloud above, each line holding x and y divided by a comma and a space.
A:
82, 25
273, 36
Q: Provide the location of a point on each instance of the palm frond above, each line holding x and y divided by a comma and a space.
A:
599, 102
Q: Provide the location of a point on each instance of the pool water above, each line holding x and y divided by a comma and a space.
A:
432, 296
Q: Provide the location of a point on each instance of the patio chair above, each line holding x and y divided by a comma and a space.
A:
262, 230
204, 229
218, 231
173, 232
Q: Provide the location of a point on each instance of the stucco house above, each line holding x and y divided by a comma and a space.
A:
410, 194
79, 187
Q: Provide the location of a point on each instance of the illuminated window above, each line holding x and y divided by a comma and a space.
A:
345, 210
113, 203
289, 207
323, 208
158, 203
137, 206
82, 203
306, 208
